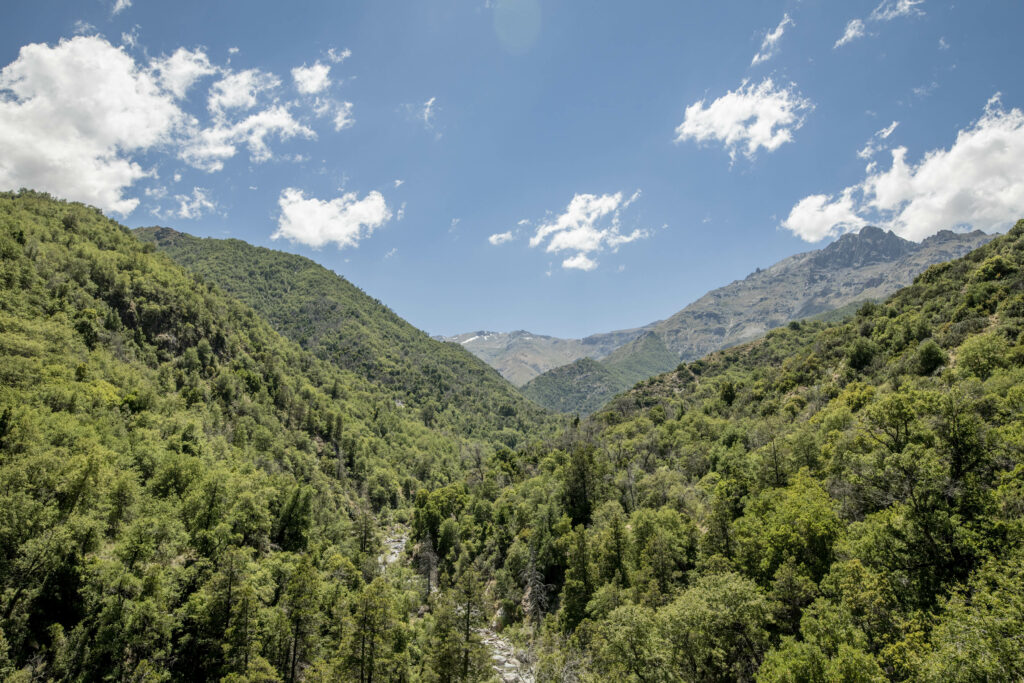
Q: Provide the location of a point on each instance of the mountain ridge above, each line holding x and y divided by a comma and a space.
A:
337, 321
870, 264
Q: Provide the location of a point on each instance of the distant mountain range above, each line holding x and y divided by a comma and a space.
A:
580, 375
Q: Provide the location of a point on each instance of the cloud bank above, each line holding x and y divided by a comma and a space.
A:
977, 183
76, 118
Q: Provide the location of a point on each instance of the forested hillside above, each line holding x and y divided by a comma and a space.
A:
186, 495
586, 385
832, 502
327, 315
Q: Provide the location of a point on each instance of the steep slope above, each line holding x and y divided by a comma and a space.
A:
586, 384
579, 387
871, 264
186, 494
868, 265
832, 501
335, 320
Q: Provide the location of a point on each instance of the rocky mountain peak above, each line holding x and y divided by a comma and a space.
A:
870, 245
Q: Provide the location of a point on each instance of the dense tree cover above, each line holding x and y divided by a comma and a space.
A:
586, 385
186, 495
837, 501
309, 304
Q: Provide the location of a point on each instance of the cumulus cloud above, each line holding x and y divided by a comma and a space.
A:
344, 220
977, 183
770, 44
120, 6
240, 90
874, 145
501, 238
750, 118
854, 30
195, 205
71, 116
579, 262
181, 70
208, 148
589, 225
310, 80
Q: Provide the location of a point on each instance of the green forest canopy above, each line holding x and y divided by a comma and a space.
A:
186, 494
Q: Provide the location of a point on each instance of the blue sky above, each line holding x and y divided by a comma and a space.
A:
562, 167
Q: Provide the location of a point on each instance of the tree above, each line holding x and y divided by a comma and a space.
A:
717, 629
630, 646
579, 584
301, 600
580, 484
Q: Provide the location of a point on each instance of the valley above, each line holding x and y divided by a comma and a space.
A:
202, 485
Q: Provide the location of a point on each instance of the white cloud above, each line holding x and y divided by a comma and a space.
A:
819, 216
310, 80
892, 9
589, 225
82, 28
130, 39
391, 252
943, 45
178, 72
977, 183
873, 145
427, 113
71, 116
208, 148
399, 182
579, 262
120, 6
344, 221
770, 44
751, 117
343, 116
194, 206
501, 238
240, 90
888, 130
886, 11
337, 57
854, 30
